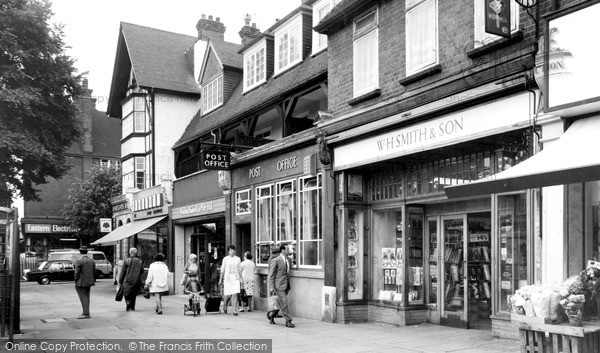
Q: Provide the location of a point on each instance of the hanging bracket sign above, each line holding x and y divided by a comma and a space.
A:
215, 160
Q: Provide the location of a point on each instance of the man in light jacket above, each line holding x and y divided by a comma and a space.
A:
279, 281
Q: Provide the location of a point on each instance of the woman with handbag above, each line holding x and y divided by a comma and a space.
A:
247, 268
157, 281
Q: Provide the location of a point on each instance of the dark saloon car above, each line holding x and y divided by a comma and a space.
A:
59, 270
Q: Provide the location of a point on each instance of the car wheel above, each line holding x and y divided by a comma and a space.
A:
44, 280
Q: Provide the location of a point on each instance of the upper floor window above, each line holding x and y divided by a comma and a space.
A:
242, 202
134, 116
421, 35
212, 95
481, 37
288, 44
366, 54
255, 65
320, 9
140, 172
110, 163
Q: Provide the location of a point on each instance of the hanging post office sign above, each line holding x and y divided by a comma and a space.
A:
215, 160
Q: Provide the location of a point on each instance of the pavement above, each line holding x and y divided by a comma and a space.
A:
50, 312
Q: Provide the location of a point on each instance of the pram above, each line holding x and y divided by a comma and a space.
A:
213, 299
196, 305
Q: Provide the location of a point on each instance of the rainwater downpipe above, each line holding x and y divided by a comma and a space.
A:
153, 122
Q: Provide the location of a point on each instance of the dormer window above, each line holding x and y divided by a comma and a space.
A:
320, 9
288, 44
212, 95
255, 65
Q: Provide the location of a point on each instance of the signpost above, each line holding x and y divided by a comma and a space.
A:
215, 160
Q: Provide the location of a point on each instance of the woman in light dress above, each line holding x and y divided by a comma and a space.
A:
247, 268
230, 278
158, 280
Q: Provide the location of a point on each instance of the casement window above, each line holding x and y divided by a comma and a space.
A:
320, 9
310, 249
140, 172
255, 66
288, 45
480, 36
242, 202
264, 222
212, 95
366, 54
421, 35
110, 163
134, 116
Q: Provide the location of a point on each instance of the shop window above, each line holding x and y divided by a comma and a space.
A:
286, 211
386, 185
242, 202
264, 229
421, 35
310, 251
513, 245
388, 249
366, 54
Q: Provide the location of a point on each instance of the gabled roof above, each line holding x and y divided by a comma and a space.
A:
158, 60
228, 53
241, 105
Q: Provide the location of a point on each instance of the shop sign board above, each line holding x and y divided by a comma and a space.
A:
150, 205
497, 18
492, 118
215, 160
199, 209
49, 228
571, 69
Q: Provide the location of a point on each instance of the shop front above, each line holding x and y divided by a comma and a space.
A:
145, 227
199, 227
279, 199
43, 236
408, 254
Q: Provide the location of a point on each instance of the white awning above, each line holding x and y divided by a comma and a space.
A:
573, 158
127, 230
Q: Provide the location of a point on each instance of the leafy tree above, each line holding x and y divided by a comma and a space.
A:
38, 91
88, 200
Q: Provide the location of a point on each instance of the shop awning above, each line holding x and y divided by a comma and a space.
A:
573, 158
127, 230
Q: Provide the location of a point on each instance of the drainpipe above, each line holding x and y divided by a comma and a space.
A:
153, 123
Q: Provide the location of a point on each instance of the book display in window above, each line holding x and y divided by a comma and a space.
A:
479, 276
453, 264
354, 230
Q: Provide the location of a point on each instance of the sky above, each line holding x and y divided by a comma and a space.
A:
92, 27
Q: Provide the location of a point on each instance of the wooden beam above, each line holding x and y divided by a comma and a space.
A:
324, 88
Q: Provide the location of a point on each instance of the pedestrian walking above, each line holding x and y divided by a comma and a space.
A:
247, 268
230, 277
117, 271
279, 280
275, 252
157, 281
131, 279
84, 280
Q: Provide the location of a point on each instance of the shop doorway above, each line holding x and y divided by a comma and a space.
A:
209, 244
244, 239
464, 293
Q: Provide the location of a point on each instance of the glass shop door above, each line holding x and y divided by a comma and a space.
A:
453, 279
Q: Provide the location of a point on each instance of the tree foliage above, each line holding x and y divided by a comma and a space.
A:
88, 200
38, 91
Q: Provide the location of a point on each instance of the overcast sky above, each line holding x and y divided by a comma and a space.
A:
92, 27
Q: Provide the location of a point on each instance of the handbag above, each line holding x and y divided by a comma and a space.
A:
146, 292
119, 295
273, 303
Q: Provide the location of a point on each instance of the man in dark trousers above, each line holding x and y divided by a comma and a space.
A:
131, 278
84, 280
279, 281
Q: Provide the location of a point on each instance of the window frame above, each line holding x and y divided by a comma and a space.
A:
317, 37
281, 31
249, 55
269, 228
215, 87
294, 195
139, 170
357, 37
410, 6
301, 192
248, 200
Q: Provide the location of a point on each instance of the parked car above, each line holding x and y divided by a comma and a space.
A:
99, 258
59, 270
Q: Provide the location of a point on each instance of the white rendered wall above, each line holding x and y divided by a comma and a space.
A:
172, 115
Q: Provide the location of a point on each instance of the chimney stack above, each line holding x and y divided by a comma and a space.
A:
209, 28
248, 33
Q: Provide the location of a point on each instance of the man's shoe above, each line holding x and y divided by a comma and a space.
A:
278, 315
271, 318
83, 317
289, 324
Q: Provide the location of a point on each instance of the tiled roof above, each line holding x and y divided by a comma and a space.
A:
341, 13
158, 58
240, 105
228, 53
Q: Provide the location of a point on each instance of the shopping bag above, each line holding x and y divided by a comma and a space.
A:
119, 295
146, 292
273, 303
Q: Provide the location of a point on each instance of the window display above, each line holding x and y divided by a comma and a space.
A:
354, 234
479, 275
453, 266
388, 276
433, 260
